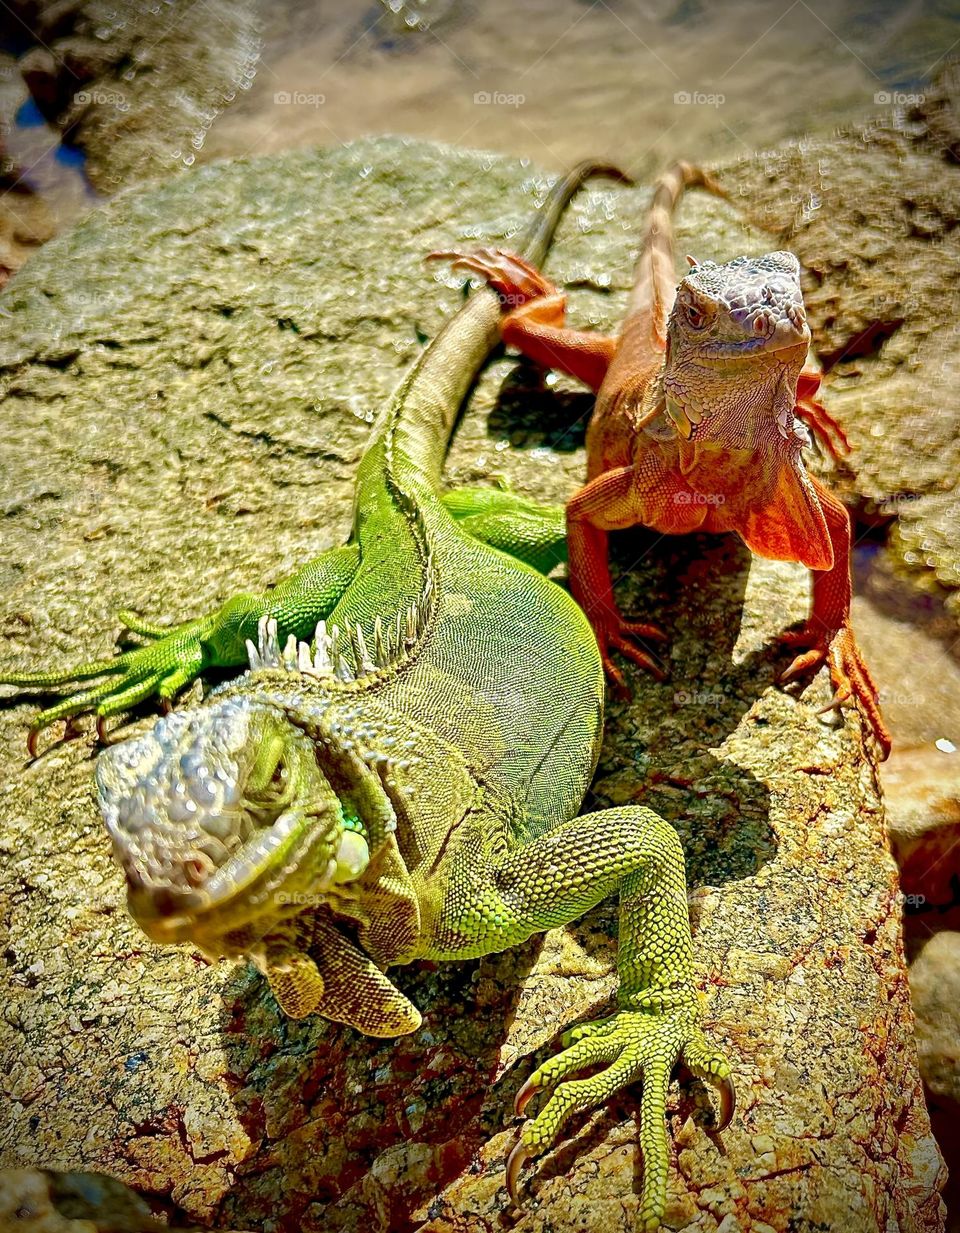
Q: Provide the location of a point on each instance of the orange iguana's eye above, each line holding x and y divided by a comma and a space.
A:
695, 317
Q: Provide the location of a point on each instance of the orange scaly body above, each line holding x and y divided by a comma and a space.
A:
703, 407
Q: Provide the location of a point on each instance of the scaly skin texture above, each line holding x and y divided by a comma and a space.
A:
703, 408
405, 786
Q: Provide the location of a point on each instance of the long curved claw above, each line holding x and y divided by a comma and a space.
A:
643, 629
728, 1101
613, 674
73, 704
620, 637
849, 673
802, 664
70, 733
638, 655
643, 659
525, 1095
712, 1068
514, 279
613, 632
840, 696
515, 1162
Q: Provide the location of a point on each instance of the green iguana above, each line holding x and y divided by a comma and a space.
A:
407, 787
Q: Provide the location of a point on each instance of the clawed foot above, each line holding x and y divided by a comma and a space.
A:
631, 1045
623, 636
170, 660
513, 279
849, 674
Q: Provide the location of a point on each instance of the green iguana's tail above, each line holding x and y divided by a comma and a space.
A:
425, 408
537, 236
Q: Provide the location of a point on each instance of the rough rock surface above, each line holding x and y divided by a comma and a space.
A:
935, 989
872, 215
188, 379
936, 979
25, 221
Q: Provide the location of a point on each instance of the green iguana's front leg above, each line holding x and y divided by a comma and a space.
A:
175, 656
553, 881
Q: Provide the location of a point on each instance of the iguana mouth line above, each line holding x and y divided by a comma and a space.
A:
171, 915
749, 348
243, 868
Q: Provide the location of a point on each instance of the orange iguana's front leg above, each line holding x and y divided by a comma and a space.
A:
817, 418
605, 504
646, 493
535, 320
828, 633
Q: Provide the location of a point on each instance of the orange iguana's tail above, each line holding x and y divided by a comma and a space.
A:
656, 278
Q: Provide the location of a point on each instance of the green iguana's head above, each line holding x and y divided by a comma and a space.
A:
235, 819
224, 820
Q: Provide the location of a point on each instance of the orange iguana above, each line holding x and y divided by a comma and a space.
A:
703, 405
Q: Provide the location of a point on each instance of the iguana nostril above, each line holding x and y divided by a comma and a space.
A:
197, 869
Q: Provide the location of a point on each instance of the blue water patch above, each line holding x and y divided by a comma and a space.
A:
71, 156
29, 116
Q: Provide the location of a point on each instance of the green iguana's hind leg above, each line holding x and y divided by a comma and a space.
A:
533, 533
552, 881
174, 656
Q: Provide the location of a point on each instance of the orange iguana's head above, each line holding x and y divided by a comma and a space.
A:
737, 338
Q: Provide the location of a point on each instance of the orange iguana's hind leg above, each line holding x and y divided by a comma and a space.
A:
536, 314
828, 633
817, 418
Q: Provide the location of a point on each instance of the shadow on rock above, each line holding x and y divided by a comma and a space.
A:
531, 414
657, 748
357, 1132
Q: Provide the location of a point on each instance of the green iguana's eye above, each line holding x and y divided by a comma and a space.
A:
696, 318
